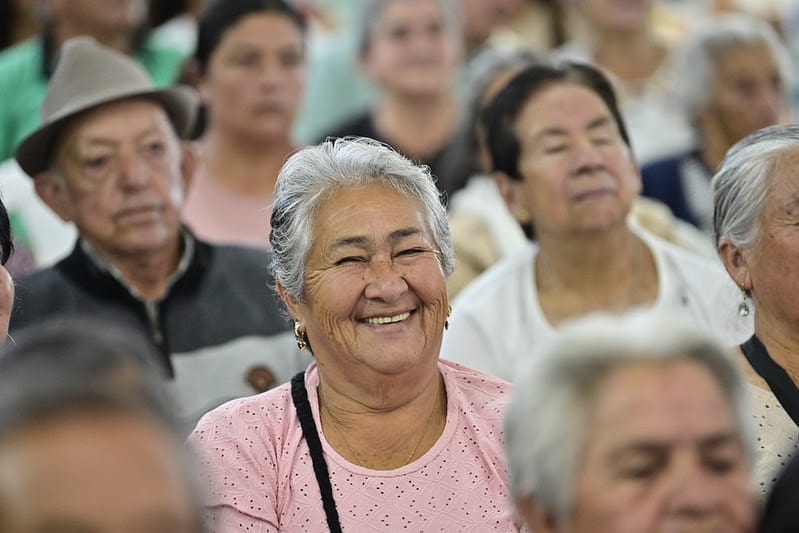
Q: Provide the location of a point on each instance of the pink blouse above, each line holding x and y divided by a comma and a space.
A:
259, 477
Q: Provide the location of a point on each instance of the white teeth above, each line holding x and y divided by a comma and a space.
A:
388, 319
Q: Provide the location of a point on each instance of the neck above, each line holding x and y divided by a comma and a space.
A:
121, 42
244, 167
633, 55
417, 127
386, 428
147, 272
782, 343
612, 271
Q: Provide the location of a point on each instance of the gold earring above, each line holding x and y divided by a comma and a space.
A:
302, 338
446, 320
743, 307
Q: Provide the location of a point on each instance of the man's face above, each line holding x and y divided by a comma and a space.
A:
664, 455
99, 471
120, 179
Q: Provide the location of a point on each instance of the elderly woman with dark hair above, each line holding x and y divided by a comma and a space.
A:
756, 225
562, 161
378, 432
637, 423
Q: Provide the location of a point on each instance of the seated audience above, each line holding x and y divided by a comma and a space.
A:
562, 161
411, 50
755, 222
251, 65
619, 38
635, 423
378, 432
87, 442
734, 77
108, 158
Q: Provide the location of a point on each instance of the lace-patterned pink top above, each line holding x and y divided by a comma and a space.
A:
259, 477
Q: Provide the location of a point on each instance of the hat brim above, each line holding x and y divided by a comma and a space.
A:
34, 152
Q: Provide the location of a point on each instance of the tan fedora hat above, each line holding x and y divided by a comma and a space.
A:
89, 75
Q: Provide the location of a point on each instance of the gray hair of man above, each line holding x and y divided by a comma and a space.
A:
742, 182
695, 62
371, 12
312, 174
547, 425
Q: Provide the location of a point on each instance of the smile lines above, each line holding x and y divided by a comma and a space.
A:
388, 319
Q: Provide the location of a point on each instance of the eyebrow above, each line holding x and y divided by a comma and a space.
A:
649, 447
100, 141
361, 241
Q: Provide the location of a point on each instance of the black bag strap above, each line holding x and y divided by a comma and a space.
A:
300, 397
777, 378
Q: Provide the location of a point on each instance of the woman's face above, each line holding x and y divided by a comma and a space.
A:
617, 15
375, 297
772, 263
578, 175
255, 78
413, 51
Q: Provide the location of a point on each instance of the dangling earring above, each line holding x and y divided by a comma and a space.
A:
302, 339
446, 320
743, 307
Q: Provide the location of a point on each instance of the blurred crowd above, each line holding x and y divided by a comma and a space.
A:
456, 265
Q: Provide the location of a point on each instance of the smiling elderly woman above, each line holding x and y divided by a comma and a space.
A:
378, 432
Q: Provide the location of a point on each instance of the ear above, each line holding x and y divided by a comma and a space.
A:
511, 192
535, 516
291, 303
735, 262
52, 189
188, 165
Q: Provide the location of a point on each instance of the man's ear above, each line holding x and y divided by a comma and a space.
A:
538, 519
511, 192
188, 165
735, 262
52, 189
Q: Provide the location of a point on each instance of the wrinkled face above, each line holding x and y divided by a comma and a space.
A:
412, 49
375, 297
664, 455
772, 263
577, 173
481, 17
100, 16
98, 472
256, 77
121, 180
748, 93
617, 15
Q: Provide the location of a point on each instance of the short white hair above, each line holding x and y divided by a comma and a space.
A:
546, 425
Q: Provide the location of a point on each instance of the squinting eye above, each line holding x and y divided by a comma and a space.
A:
156, 147
96, 163
350, 259
555, 149
411, 251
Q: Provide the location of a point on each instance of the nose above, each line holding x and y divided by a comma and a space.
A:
588, 157
134, 171
697, 494
383, 282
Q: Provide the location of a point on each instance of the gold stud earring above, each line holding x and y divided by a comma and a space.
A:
300, 336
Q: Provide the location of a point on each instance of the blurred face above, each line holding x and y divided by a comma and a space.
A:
747, 95
664, 455
375, 299
98, 472
412, 50
617, 15
101, 16
255, 78
480, 17
772, 263
577, 173
121, 179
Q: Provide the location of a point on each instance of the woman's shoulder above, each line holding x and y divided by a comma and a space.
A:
470, 383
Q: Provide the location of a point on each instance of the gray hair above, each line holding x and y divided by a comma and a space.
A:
695, 62
546, 425
311, 175
743, 179
372, 10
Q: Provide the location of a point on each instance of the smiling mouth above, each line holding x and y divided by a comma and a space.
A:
377, 320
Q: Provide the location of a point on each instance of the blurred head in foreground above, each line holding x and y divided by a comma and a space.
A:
86, 440
631, 423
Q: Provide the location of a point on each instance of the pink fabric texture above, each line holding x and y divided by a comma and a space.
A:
259, 477
218, 215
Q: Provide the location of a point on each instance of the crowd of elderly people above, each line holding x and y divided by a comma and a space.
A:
251, 335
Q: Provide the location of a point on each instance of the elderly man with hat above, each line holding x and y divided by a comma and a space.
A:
108, 158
